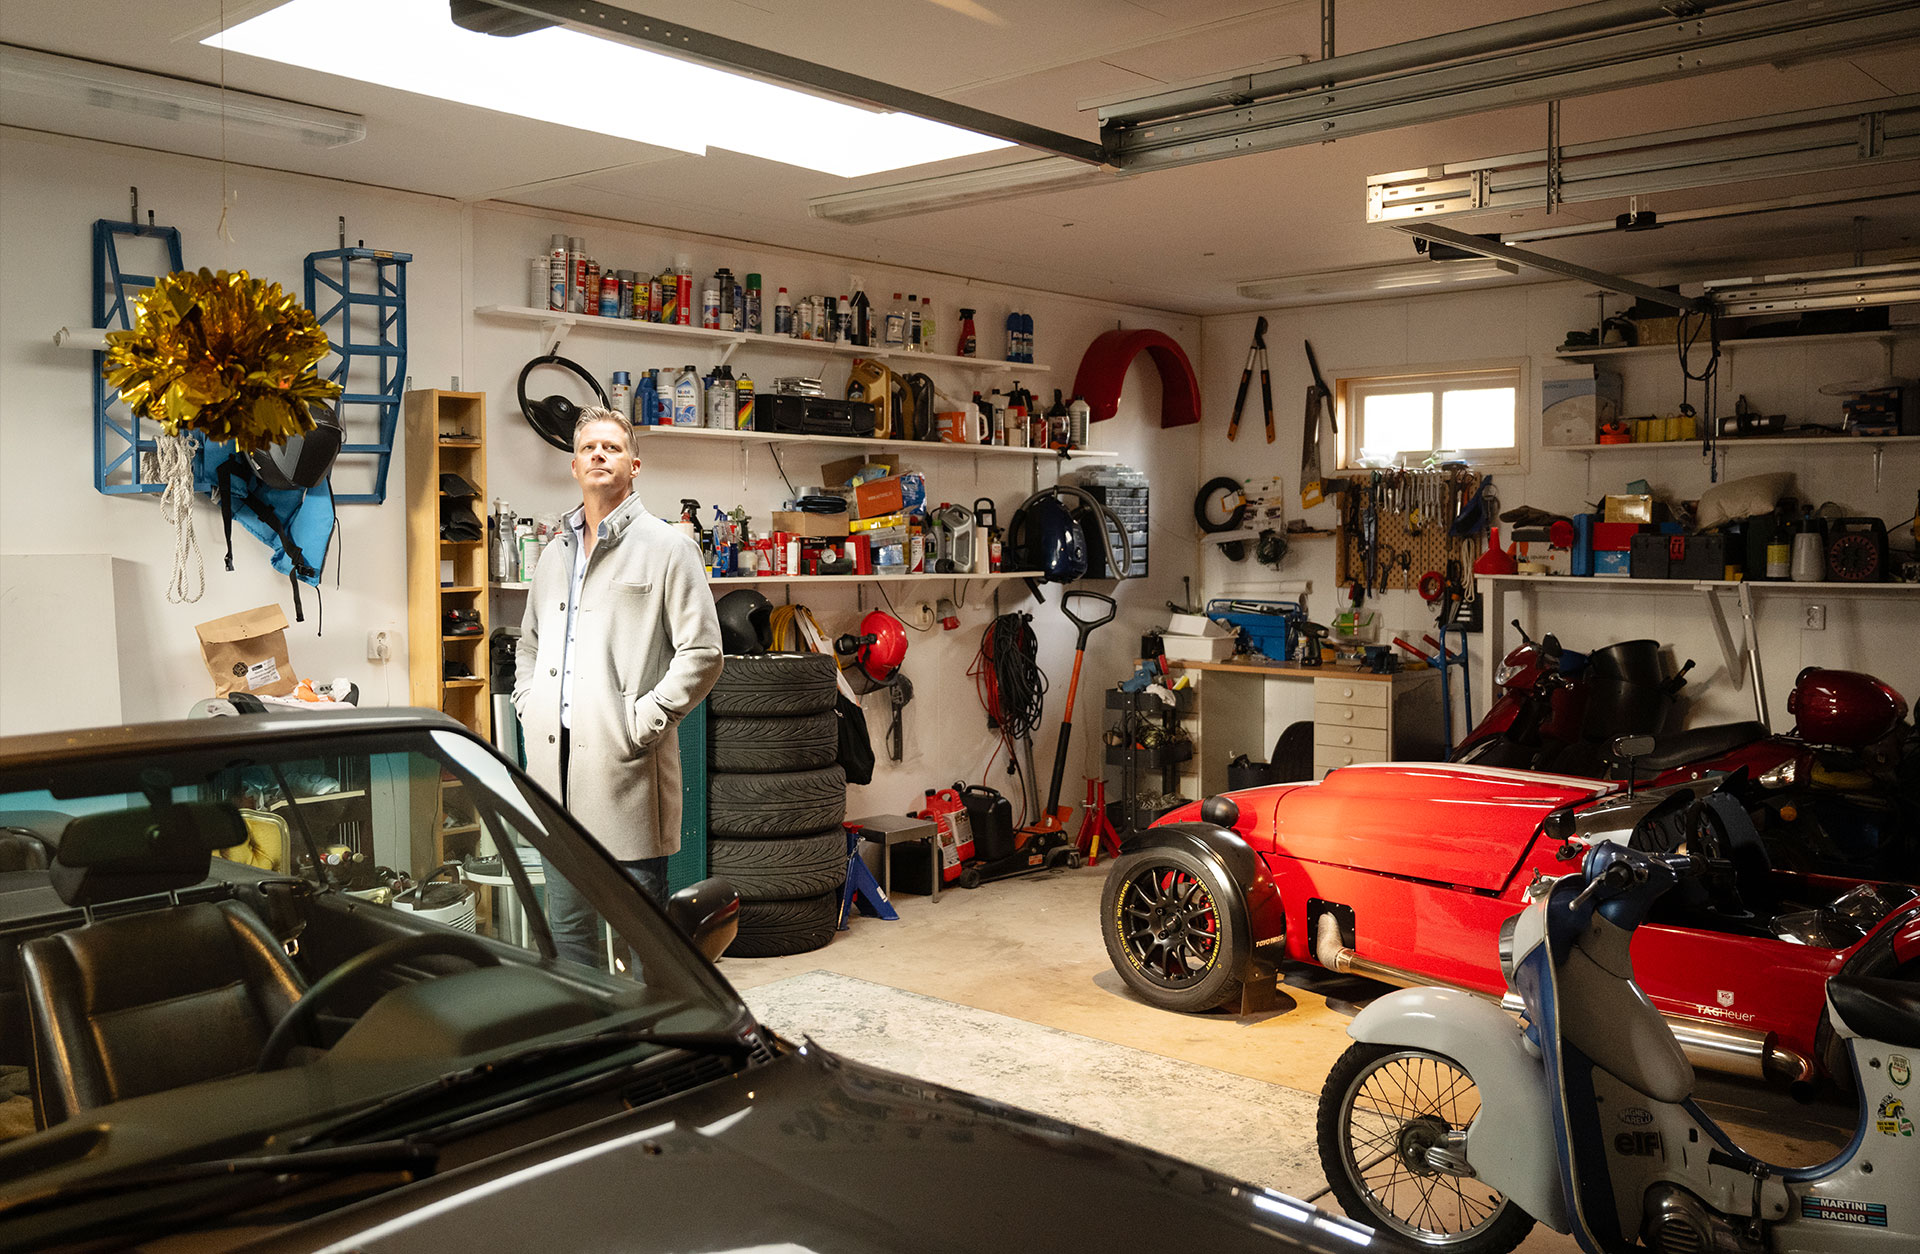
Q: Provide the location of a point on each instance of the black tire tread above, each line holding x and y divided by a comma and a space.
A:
782, 869
796, 742
759, 685
782, 803
774, 929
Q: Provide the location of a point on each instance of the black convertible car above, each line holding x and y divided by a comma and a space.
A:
221, 1028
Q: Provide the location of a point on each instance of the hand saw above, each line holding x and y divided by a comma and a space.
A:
1319, 413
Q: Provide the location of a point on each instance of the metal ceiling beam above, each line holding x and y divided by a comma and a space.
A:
508, 18
1849, 196
1483, 247
1809, 141
1719, 37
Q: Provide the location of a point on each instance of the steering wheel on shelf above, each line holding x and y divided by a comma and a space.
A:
296, 1026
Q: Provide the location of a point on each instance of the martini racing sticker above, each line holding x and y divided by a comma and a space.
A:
1839, 1210
1891, 1119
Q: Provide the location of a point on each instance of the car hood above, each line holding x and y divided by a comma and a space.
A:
1451, 824
814, 1152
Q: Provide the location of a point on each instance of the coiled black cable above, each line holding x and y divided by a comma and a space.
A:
1007, 672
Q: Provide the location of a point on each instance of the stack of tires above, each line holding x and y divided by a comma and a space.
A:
775, 800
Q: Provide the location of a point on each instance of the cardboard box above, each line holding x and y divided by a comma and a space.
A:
1196, 648
810, 526
1195, 625
1575, 400
1629, 509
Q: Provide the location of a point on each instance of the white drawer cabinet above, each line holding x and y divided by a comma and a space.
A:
1375, 719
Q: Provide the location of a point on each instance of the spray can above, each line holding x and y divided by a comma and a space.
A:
743, 405
710, 308
1026, 337
620, 392
628, 282
753, 304
1013, 337
829, 319
860, 315
686, 398
782, 314
683, 279
843, 321
926, 324
557, 272
968, 341
539, 282
739, 306
610, 294
662, 399
576, 274
724, 308
912, 344
590, 288
666, 304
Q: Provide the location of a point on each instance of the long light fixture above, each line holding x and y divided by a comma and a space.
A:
574, 79
1374, 282
950, 191
1855, 287
114, 87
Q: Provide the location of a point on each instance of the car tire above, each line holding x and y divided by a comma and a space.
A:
798, 742
1405, 1096
782, 869
1163, 915
782, 803
774, 929
760, 685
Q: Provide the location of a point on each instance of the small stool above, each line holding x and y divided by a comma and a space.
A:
888, 830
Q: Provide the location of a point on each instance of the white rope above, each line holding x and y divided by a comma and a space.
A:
171, 463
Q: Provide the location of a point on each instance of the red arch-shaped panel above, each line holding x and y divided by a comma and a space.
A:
1104, 368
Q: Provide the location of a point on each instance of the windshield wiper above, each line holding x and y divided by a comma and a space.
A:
405, 1155
731, 1041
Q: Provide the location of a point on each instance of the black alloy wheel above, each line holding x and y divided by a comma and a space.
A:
1165, 922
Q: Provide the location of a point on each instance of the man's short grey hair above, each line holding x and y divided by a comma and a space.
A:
594, 413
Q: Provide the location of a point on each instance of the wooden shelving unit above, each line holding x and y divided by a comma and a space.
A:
445, 434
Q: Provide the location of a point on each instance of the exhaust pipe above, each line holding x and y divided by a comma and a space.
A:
1712, 1046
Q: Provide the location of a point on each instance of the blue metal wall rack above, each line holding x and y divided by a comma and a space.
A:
117, 444
380, 352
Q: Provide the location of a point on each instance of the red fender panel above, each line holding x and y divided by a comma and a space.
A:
1104, 368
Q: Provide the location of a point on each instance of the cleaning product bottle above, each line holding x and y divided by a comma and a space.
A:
1079, 422
645, 400
743, 406
968, 341
782, 314
753, 304
860, 315
686, 398
620, 393
896, 333
912, 344
926, 324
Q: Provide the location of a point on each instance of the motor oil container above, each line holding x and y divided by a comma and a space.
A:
686, 398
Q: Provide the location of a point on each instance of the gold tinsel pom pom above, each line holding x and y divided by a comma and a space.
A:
224, 354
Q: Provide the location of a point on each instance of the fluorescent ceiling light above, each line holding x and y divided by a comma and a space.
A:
1852, 288
950, 191
171, 99
1374, 282
573, 79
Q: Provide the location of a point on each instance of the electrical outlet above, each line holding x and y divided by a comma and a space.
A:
380, 645
1813, 618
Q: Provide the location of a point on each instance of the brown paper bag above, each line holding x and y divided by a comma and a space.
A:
247, 652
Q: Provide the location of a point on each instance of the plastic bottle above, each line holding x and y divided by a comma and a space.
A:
683, 280
722, 541
686, 398
1013, 337
719, 399
620, 393
743, 405
926, 324
753, 304
860, 315
1780, 547
896, 333
782, 314
662, 398
969, 343
1026, 337
1079, 421
912, 344
645, 401
1809, 563
843, 321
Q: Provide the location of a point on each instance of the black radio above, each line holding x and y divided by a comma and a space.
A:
811, 415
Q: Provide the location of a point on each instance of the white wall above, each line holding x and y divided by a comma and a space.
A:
465, 256
1529, 322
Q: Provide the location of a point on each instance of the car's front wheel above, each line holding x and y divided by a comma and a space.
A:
1390, 1128
1163, 914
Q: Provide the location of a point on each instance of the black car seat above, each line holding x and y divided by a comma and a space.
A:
154, 999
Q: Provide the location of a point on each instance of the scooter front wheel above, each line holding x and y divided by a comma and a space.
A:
1390, 1127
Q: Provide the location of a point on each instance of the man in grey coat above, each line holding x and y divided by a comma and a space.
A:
620, 641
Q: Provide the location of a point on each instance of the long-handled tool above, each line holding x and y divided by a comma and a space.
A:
1257, 353
1054, 819
1313, 488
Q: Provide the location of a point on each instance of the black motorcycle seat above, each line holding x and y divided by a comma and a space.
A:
1697, 743
1878, 1009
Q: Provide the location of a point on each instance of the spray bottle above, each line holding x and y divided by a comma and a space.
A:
969, 342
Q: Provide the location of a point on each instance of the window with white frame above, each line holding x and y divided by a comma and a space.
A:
1465, 415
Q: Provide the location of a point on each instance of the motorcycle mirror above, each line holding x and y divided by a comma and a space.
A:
1630, 748
1524, 637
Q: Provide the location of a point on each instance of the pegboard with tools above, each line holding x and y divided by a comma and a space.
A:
1400, 526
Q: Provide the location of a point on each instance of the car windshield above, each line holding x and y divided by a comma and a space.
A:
167, 901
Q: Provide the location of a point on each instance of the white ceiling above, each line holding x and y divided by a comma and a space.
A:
1176, 240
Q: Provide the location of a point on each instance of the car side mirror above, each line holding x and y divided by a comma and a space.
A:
708, 913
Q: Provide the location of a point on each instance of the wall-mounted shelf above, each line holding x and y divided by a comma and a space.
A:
846, 441
1615, 584
1885, 338
1729, 443
785, 579
558, 325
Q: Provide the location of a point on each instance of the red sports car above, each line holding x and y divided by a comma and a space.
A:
1405, 872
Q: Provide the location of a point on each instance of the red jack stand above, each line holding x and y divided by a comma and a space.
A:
1094, 823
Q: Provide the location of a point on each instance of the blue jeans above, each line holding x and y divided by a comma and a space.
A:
574, 922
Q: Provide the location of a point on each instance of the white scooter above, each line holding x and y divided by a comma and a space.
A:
1450, 1125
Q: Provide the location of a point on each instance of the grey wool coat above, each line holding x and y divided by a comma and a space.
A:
646, 650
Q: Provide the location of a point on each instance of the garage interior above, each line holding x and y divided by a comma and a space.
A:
1463, 200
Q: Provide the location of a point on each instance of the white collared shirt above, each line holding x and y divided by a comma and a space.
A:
578, 522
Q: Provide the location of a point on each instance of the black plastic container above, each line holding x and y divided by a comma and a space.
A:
1629, 661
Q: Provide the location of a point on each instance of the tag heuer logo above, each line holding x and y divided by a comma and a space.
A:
1898, 1069
1725, 997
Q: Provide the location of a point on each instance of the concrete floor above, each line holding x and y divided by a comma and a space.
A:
1030, 948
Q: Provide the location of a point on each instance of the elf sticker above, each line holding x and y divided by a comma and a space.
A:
1839, 1210
1898, 1069
1892, 1117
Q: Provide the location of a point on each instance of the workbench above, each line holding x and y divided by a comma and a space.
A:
1243, 705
